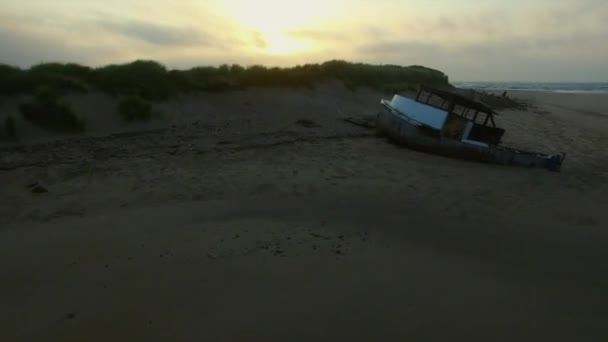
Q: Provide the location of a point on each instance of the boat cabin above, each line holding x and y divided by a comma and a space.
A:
452, 115
449, 123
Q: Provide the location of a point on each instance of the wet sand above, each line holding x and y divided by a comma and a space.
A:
244, 225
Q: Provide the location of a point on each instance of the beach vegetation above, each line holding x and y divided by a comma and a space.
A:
48, 111
10, 129
134, 108
152, 81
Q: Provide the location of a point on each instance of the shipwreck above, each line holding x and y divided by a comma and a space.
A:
450, 124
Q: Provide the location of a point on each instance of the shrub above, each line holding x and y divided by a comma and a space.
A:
59, 69
150, 80
147, 79
9, 127
134, 109
49, 112
63, 78
14, 81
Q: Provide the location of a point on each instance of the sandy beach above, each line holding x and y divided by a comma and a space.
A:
261, 215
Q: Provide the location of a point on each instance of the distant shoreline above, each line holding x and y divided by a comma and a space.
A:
554, 87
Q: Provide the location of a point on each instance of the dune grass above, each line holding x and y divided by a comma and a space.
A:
46, 110
152, 81
10, 129
60, 78
134, 109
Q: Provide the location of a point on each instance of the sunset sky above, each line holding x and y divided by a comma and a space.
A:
494, 40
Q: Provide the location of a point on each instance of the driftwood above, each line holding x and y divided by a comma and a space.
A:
367, 122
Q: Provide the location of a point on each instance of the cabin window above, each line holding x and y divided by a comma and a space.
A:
454, 126
487, 134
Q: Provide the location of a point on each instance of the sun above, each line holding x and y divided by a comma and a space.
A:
279, 43
274, 19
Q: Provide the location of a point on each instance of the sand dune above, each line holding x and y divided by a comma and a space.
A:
227, 220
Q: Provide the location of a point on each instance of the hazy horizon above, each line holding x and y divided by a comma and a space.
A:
522, 41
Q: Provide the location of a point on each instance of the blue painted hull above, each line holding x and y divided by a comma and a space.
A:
407, 132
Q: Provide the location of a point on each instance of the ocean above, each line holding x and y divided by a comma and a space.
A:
560, 87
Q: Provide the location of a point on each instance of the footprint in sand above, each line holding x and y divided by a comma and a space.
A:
263, 188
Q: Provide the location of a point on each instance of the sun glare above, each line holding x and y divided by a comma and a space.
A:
273, 19
278, 43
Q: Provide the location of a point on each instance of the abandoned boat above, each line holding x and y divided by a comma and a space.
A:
450, 124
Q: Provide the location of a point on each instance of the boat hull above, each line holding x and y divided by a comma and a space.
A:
399, 129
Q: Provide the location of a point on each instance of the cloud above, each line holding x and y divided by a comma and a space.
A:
320, 35
23, 48
396, 47
25, 45
158, 34
525, 40
259, 40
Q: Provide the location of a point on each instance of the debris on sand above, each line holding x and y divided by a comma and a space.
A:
307, 123
37, 187
367, 122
